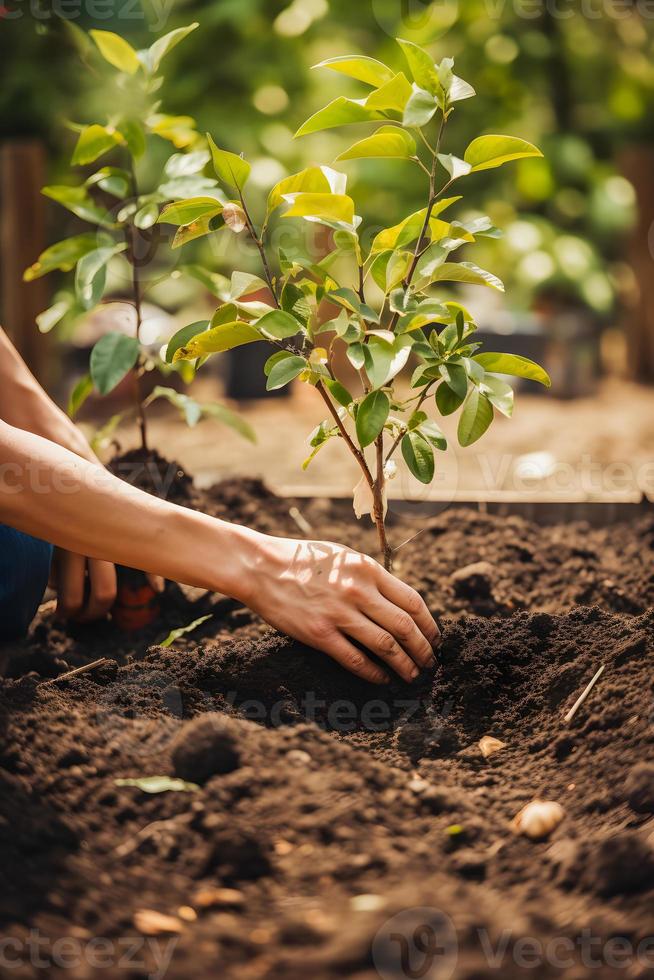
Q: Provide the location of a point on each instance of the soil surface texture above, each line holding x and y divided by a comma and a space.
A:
320, 827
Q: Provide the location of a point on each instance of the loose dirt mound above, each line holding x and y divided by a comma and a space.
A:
341, 830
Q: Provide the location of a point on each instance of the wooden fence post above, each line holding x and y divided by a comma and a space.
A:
22, 239
637, 165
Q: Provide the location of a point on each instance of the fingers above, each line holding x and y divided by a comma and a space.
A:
102, 593
157, 582
401, 627
380, 642
339, 648
406, 598
71, 572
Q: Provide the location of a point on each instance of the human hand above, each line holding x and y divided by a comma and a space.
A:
86, 587
326, 595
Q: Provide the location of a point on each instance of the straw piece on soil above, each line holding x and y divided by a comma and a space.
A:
582, 697
78, 670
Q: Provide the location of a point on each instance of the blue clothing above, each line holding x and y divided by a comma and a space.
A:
24, 571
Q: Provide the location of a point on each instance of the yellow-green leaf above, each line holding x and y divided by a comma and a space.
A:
422, 67
311, 179
514, 364
185, 212
393, 96
93, 142
229, 167
163, 45
332, 207
476, 416
117, 51
340, 112
367, 70
389, 141
409, 229
465, 272
63, 255
487, 152
218, 339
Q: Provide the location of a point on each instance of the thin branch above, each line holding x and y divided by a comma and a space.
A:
421, 400
356, 452
258, 241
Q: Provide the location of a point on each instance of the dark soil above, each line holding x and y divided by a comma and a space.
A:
337, 829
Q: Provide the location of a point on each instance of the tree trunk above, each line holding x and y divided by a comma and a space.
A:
637, 165
22, 239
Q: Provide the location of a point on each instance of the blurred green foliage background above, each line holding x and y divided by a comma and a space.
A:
575, 78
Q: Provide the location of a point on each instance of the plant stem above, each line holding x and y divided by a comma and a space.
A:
358, 455
136, 295
258, 241
378, 503
399, 438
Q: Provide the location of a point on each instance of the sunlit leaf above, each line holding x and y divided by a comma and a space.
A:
389, 141
184, 336
340, 112
117, 51
371, 417
487, 152
420, 107
78, 200
514, 364
63, 255
335, 207
499, 394
285, 370
93, 141
279, 324
217, 339
230, 168
91, 274
48, 319
422, 67
465, 272
364, 69
163, 45
393, 96
186, 212
175, 634
79, 394
419, 456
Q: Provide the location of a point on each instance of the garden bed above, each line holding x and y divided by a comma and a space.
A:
345, 804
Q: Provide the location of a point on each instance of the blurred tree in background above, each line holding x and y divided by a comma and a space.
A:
576, 78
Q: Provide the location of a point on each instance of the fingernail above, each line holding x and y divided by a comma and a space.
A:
414, 673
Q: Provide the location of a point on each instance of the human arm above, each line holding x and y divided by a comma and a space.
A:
318, 592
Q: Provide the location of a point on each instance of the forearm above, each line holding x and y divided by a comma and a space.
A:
51, 493
24, 404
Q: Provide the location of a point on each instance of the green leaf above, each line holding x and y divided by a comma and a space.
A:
447, 401
232, 419
279, 355
112, 358
111, 180
182, 631
79, 394
147, 215
356, 355
284, 371
197, 229
487, 152
408, 230
350, 300
313, 179
187, 212
371, 417
338, 392
134, 135
455, 377
217, 284
340, 112
189, 408
163, 45
514, 364
49, 319
393, 96
364, 69
91, 274
77, 200
422, 67
93, 141
117, 51
279, 325
499, 394
217, 339
475, 418
332, 207
159, 784
389, 141
418, 456
63, 255
465, 272
230, 168
186, 164
454, 165
432, 434
183, 336
420, 108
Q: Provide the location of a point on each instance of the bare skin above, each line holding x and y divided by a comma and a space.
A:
323, 594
